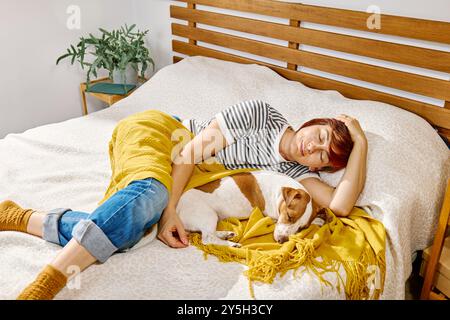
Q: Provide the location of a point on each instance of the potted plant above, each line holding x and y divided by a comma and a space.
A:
121, 52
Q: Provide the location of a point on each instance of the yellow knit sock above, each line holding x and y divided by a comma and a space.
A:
46, 286
13, 217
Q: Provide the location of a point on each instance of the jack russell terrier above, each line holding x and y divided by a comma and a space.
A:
278, 196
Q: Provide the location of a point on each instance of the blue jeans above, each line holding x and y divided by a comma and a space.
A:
118, 224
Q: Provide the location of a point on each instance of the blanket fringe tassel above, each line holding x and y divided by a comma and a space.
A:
361, 282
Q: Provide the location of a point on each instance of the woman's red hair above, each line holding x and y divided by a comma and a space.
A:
341, 143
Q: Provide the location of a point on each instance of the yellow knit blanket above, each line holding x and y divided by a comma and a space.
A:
355, 243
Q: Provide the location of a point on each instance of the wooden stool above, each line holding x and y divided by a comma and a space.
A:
110, 99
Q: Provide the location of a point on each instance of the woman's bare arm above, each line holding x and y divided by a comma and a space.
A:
203, 146
342, 199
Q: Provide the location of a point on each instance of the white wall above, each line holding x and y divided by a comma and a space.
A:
33, 33
34, 91
154, 15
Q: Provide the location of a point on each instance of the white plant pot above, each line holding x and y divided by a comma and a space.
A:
127, 76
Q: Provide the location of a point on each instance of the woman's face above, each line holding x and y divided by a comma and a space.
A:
311, 146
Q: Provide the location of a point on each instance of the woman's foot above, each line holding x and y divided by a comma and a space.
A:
46, 286
55, 275
13, 217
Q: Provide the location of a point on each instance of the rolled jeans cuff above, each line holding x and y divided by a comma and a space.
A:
50, 231
94, 240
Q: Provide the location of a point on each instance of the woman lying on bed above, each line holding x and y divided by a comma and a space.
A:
147, 183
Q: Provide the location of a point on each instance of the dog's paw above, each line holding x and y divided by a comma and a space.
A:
235, 244
225, 235
318, 221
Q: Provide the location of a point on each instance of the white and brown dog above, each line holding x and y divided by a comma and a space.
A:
278, 196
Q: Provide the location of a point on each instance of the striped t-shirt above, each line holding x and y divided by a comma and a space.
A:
253, 130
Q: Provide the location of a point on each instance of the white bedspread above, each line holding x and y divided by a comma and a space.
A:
66, 165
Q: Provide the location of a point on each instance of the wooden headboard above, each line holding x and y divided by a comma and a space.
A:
295, 34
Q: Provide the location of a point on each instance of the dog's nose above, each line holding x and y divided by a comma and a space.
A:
282, 239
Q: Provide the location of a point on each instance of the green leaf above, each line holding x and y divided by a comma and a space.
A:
90, 41
104, 31
113, 54
62, 57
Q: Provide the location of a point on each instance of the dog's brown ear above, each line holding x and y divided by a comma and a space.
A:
288, 194
295, 201
302, 194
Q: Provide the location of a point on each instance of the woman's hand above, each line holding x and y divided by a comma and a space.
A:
171, 230
353, 126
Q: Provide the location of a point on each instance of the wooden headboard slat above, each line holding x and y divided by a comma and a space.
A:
399, 53
435, 115
428, 30
295, 33
427, 86
405, 54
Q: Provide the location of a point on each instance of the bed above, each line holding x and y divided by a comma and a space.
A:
66, 164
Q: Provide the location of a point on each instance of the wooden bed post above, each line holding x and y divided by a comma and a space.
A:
443, 131
191, 5
436, 249
293, 45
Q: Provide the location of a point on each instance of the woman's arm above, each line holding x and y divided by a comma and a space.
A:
203, 146
342, 199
